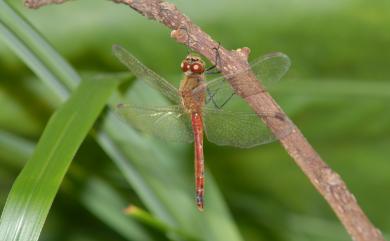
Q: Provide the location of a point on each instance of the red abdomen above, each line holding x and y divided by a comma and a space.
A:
197, 126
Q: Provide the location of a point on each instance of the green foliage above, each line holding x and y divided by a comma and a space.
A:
337, 92
36, 186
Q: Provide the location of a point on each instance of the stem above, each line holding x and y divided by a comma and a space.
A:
328, 183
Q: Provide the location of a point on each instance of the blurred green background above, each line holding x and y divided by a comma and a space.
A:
337, 92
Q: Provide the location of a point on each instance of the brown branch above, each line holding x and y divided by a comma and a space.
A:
326, 181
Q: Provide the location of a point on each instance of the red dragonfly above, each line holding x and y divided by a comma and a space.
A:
202, 106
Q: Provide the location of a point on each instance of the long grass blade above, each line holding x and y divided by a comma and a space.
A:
97, 196
36, 52
35, 188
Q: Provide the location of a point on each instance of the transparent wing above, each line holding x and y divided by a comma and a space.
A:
241, 129
170, 123
268, 68
145, 74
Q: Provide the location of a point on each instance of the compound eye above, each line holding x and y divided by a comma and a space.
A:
197, 68
184, 66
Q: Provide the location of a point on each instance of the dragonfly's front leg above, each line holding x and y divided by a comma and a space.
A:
217, 60
215, 71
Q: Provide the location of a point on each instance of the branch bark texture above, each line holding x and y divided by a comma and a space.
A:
328, 183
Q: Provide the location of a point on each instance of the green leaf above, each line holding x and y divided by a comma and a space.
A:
97, 196
35, 188
37, 53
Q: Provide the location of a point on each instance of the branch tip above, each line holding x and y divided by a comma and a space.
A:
123, 1
244, 52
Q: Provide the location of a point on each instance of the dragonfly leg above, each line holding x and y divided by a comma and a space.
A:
211, 97
207, 71
188, 39
217, 56
217, 59
226, 101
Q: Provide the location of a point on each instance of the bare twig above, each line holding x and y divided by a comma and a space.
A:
326, 181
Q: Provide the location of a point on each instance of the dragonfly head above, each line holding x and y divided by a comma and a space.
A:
193, 65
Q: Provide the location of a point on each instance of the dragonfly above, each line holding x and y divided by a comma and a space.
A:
201, 106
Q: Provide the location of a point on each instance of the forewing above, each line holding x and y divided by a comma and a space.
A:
241, 129
168, 123
269, 69
145, 74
